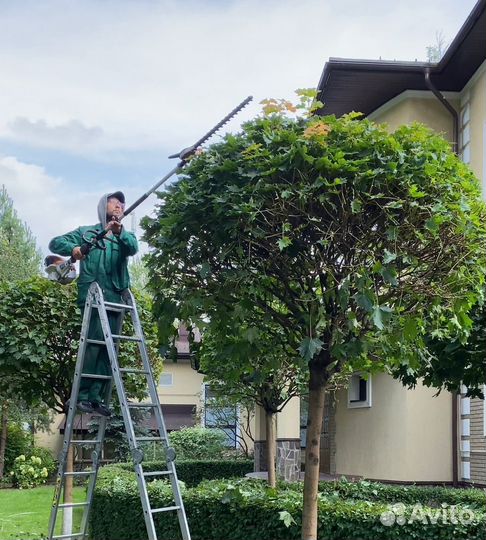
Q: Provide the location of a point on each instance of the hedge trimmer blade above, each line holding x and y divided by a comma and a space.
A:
187, 152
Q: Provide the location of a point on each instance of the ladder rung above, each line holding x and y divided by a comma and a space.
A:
87, 441
149, 439
79, 473
93, 376
96, 341
141, 405
126, 338
130, 370
157, 473
114, 305
72, 505
72, 535
165, 509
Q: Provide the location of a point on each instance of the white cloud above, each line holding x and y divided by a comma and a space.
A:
68, 136
99, 78
157, 74
50, 206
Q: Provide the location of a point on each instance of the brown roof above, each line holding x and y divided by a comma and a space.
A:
364, 85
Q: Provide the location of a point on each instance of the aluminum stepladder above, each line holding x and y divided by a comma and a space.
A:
96, 301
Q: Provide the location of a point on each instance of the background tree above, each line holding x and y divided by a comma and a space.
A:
358, 243
453, 362
245, 358
40, 326
20, 256
436, 52
20, 259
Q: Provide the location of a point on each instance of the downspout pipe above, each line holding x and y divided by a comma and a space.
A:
448, 106
455, 148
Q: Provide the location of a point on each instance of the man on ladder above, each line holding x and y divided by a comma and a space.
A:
107, 267
104, 298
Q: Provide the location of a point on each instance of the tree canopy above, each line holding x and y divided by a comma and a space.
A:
40, 326
358, 243
20, 258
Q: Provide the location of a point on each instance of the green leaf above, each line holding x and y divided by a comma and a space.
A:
381, 314
365, 301
389, 257
415, 192
284, 242
205, 270
389, 275
356, 206
377, 317
286, 517
309, 347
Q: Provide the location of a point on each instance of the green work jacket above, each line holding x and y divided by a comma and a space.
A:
107, 267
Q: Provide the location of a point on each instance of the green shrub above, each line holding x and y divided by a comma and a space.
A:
198, 443
192, 472
410, 494
19, 442
247, 510
28, 472
47, 460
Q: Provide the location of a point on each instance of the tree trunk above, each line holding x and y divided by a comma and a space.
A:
271, 447
67, 516
3, 437
317, 388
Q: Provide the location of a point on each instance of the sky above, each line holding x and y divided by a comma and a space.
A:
96, 94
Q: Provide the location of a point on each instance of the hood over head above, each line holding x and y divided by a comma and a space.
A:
103, 203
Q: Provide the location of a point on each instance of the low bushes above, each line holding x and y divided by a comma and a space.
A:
193, 472
198, 442
247, 510
430, 496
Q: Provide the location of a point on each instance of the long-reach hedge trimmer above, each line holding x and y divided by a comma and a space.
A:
63, 271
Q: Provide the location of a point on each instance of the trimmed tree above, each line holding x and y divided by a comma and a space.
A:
356, 241
245, 359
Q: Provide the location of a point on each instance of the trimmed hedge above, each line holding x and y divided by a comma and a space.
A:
193, 472
248, 510
411, 494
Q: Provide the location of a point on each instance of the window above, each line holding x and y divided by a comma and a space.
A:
359, 391
165, 379
221, 416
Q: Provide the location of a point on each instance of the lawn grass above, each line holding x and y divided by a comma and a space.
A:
24, 513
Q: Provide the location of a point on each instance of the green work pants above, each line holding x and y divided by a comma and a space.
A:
96, 359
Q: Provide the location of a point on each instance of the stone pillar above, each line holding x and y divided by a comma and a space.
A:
288, 442
260, 447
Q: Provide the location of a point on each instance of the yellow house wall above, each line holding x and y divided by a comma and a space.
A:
416, 108
476, 92
187, 385
405, 435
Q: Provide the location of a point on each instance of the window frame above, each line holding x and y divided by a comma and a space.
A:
361, 404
